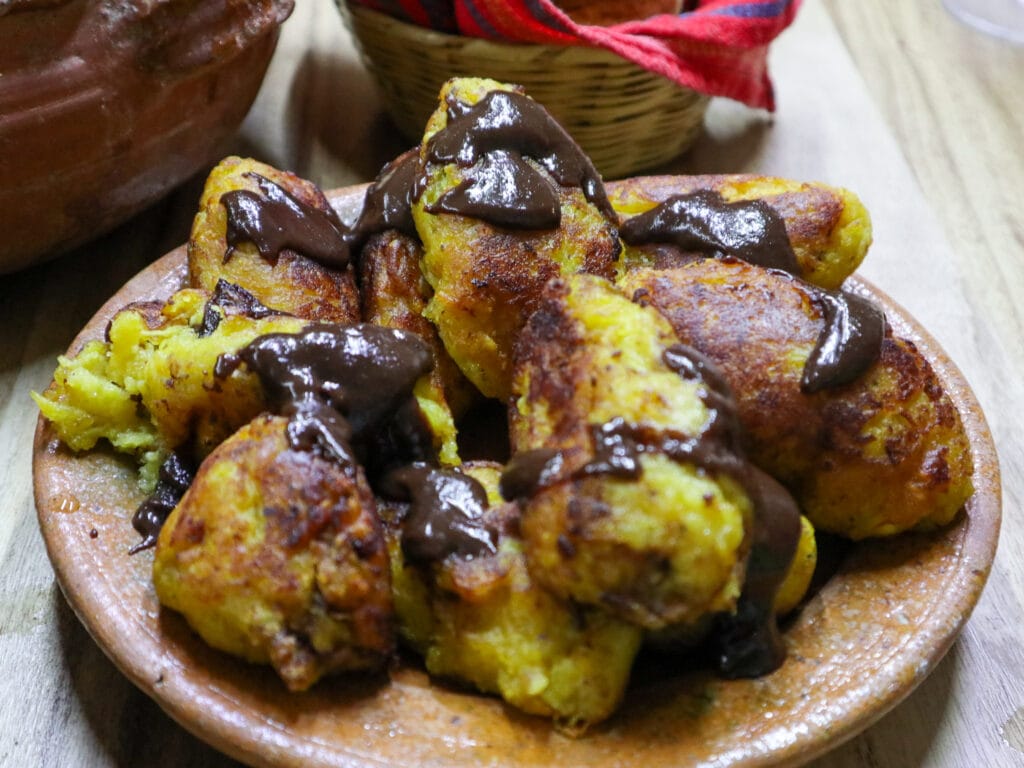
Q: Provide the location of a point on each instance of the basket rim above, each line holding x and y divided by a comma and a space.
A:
402, 57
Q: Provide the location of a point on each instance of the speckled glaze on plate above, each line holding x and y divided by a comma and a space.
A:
856, 649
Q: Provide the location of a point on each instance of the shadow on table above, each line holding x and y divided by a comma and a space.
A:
43, 307
732, 141
334, 107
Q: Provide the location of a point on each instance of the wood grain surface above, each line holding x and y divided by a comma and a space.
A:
923, 117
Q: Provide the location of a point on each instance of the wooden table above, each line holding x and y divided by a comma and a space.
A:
922, 117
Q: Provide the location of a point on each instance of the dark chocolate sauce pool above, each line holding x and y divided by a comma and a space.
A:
175, 477
702, 222
445, 517
530, 471
336, 384
347, 394
618, 445
848, 345
749, 644
749, 641
492, 140
276, 221
388, 202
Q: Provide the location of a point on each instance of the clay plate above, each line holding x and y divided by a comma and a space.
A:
858, 647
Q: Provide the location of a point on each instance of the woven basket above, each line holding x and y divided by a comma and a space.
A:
626, 118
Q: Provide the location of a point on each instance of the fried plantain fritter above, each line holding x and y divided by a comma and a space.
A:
486, 622
664, 544
486, 276
284, 279
150, 387
882, 454
394, 294
828, 228
276, 555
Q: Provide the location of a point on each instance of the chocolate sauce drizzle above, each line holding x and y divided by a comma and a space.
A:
388, 201
530, 471
347, 394
618, 445
702, 222
749, 642
175, 477
492, 140
232, 300
849, 343
338, 385
276, 221
446, 513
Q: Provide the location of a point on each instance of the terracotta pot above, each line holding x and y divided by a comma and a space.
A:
105, 105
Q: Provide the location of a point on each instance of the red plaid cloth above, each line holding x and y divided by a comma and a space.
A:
720, 48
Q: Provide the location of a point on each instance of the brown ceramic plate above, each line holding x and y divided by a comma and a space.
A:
860, 645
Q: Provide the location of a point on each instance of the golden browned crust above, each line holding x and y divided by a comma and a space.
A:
759, 328
880, 455
291, 283
551, 346
277, 555
394, 294
634, 545
487, 280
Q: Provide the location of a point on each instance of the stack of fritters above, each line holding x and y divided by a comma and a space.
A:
650, 381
